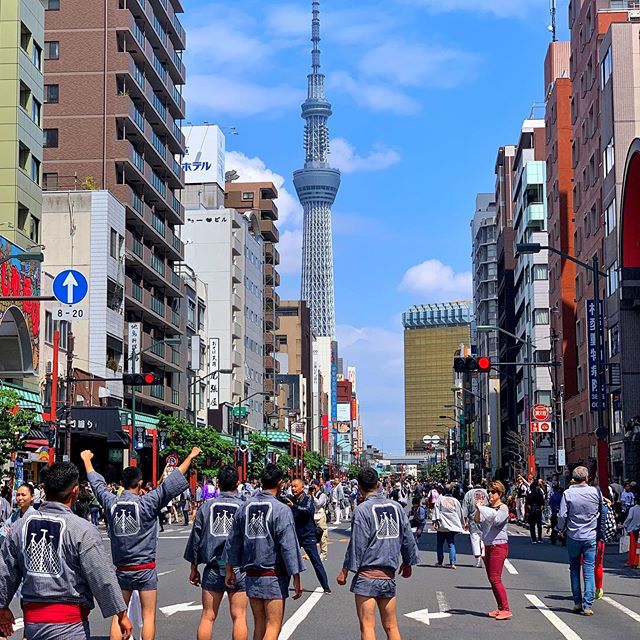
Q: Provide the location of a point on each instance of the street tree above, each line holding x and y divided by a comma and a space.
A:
14, 424
259, 446
314, 462
354, 470
182, 436
439, 471
286, 462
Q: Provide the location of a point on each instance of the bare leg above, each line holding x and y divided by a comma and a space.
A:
210, 605
388, 617
366, 610
274, 614
238, 609
115, 633
259, 618
148, 603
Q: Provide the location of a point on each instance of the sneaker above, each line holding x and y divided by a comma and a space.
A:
327, 590
504, 615
438, 564
587, 612
479, 562
577, 608
453, 566
493, 614
599, 594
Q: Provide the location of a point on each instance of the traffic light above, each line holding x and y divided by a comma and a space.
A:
142, 379
470, 364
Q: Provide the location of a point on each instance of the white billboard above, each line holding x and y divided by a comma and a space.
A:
344, 412
203, 160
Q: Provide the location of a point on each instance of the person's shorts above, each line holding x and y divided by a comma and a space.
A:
371, 588
267, 587
143, 580
50, 631
213, 580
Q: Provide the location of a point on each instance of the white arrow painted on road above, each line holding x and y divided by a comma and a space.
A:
425, 617
177, 608
18, 624
70, 282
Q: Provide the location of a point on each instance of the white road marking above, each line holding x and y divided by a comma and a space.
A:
443, 605
620, 607
563, 628
510, 568
173, 537
164, 573
300, 614
177, 608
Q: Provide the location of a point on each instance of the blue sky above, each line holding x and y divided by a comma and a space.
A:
423, 93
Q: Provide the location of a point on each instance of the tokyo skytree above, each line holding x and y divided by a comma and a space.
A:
317, 185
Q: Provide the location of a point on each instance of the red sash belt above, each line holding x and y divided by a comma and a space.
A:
266, 573
59, 613
137, 567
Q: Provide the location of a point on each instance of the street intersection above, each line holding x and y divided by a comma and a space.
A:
434, 603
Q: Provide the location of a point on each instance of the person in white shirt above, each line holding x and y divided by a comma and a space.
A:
320, 501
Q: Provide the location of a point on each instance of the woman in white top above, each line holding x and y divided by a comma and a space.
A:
447, 520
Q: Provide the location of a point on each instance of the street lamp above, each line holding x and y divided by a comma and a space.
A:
134, 355
25, 256
194, 385
601, 431
239, 406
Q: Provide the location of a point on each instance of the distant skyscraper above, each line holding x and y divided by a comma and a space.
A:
317, 185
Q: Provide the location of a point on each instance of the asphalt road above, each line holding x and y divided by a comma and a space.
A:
452, 603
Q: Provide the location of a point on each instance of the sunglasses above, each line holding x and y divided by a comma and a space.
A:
493, 491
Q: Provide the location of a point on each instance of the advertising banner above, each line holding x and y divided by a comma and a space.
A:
591, 344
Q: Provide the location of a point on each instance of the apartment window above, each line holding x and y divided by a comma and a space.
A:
540, 316
23, 157
614, 341
115, 244
36, 55
52, 5
23, 216
52, 50
594, 219
36, 112
580, 379
50, 138
608, 157
25, 95
612, 278
35, 170
51, 93
25, 38
579, 332
247, 196
50, 181
605, 68
540, 272
50, 325
610, 217
34, 229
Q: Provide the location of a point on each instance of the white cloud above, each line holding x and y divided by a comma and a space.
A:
345, 158
498, 8
436, 282
255, 170
378, 355
232, 97
417, 64
377, 97
290, 248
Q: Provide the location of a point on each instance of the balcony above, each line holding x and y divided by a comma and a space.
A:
272, 255
236, 302
534, 215
236, 359
269, 231
236, 330
236, 245
156, 305
268, 208
236, 275
134, 292
271, 276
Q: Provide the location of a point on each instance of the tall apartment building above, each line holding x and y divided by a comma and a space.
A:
295, 341
21, 98
433, 334
531, 276
113, 107
589, 21
561, 228
226, 250
260, 197
506, 312
484, 240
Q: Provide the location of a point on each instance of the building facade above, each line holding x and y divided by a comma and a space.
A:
433, 334
113, 106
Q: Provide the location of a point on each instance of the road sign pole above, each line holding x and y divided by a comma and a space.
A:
53, 414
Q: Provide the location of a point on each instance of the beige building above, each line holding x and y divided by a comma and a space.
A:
432, 335
21, 99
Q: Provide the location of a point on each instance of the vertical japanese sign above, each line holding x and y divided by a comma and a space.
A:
214, 365
134, 347
593, 360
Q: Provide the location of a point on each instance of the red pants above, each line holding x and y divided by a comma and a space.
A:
599, 569
495, 555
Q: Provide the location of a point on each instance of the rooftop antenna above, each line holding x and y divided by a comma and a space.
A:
553, 9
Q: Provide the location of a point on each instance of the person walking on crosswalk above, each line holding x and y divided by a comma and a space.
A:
380, 536
132, 521
206, 543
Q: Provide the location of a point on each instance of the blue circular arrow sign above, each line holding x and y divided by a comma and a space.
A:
70, 287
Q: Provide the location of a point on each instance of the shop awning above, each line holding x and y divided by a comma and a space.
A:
29, 399
36, 439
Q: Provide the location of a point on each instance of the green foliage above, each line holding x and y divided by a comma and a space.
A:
286, 462
353, 471
259, 447
182, 436
14, 425
314, 462
439, 471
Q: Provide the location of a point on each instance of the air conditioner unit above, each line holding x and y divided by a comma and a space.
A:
49, 367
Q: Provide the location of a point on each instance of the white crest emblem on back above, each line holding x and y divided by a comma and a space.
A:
125, 517
221, 518
42, 545
387, 521
257, 518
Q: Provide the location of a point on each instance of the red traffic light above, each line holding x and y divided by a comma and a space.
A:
149, 378
484, 364
142, 379
470, 364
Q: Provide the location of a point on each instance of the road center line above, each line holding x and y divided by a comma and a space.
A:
620, 607
563, 628
300, 614
164, 573
510, 568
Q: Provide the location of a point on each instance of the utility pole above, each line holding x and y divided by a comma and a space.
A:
53, 412
70, 393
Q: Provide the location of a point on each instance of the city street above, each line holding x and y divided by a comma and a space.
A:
452, 604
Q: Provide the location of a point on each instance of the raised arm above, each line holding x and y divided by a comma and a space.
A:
98, 485
186, 463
